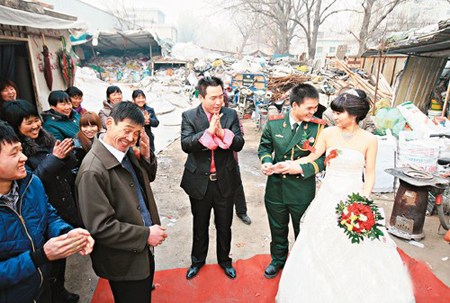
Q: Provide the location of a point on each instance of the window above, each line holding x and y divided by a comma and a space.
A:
332, 49
319, 49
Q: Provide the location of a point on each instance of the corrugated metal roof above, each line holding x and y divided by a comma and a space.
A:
436, 43
129, 40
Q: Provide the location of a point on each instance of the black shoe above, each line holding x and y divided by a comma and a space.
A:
271, 271
192, 272
65, 296
246, 219
230, 272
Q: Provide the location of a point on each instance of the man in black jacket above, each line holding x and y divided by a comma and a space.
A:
209, 135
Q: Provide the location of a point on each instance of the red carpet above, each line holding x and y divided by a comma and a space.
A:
211, 284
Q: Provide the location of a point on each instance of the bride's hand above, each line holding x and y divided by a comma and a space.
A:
288, 167
301, 160
295, 168
281, 167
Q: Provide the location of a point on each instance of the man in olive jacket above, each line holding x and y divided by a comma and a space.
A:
117, 205
288, 138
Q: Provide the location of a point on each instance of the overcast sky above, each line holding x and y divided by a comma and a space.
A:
171, 8
196, 20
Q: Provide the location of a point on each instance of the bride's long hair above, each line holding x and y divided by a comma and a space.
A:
354, 102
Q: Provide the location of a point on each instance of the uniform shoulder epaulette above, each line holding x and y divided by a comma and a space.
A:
276, 117
318, 121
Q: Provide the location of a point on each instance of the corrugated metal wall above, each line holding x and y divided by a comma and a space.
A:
390, 66
418, 80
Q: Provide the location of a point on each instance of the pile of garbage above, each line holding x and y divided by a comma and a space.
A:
339, 75
280, 85
121, 69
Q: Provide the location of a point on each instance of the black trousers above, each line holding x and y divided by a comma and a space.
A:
239, 201
57, 276
139, 291
45, 295
223, 217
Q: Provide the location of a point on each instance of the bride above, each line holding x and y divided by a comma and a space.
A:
324, 266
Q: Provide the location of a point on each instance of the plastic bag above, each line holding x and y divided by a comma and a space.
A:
389, 118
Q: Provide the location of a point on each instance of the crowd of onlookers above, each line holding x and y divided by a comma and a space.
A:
55, 143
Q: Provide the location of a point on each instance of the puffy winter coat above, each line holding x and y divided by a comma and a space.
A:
61, 126
21, 232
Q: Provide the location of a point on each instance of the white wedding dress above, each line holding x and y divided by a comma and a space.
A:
324, 266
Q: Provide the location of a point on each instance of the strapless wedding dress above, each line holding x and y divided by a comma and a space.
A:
325, 267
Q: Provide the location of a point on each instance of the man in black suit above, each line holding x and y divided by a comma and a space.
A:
210, 134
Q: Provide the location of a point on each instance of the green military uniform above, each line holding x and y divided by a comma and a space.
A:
288, 194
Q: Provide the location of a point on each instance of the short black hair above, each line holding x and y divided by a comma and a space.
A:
127, 110
4, 83
138, 92
111, 90
14, 112
203, 84
74, 91
354, 102
7, 134
302, 91
58, 96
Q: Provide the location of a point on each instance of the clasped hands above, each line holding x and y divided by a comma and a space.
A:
77, 240
285, 167
214, 126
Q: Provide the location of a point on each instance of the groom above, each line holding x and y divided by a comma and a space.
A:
288, 138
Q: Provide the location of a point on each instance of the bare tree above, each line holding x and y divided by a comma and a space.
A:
279, 13
402, 22
289, 15
311, 17
247, 29
374, 13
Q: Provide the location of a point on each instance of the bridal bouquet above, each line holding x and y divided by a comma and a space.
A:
359, 217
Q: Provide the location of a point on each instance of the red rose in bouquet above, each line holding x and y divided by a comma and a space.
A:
359, 217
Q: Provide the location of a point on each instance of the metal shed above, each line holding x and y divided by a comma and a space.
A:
428, 53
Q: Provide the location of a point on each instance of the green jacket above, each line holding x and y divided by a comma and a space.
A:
277, 145
61, 126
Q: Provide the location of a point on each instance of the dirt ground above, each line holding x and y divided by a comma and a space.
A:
247, 241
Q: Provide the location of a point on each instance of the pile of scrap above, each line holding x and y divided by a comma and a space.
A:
113, 69
367, 84
280, 85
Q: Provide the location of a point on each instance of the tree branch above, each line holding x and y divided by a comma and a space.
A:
353, 34
326, 8
386, 13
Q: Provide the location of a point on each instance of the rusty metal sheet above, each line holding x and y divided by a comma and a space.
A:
418, 80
